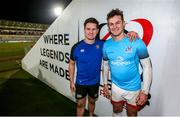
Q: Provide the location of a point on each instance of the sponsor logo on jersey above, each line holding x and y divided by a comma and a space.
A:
120, 61
82, 50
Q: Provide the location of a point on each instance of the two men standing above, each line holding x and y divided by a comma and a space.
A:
123, 58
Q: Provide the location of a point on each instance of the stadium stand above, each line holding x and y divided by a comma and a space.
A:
20, 31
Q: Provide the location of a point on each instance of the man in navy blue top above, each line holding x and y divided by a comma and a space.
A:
87, 55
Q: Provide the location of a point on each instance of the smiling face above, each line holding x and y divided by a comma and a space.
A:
91, 31
116, 26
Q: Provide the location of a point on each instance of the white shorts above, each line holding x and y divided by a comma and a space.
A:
119, 95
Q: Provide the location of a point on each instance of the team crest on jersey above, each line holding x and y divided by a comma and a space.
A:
128, 49
97, 46
82, 50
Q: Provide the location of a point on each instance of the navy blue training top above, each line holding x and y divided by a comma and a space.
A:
88, 58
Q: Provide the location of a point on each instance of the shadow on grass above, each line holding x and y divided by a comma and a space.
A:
23, 94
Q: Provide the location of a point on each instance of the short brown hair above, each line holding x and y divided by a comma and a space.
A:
91, 20
114, 12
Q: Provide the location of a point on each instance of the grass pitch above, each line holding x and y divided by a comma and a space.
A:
23, 94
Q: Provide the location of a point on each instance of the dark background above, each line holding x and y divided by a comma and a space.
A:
35, 11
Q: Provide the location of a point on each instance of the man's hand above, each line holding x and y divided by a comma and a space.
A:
132, 35
72, 87
106, 91
141, 99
